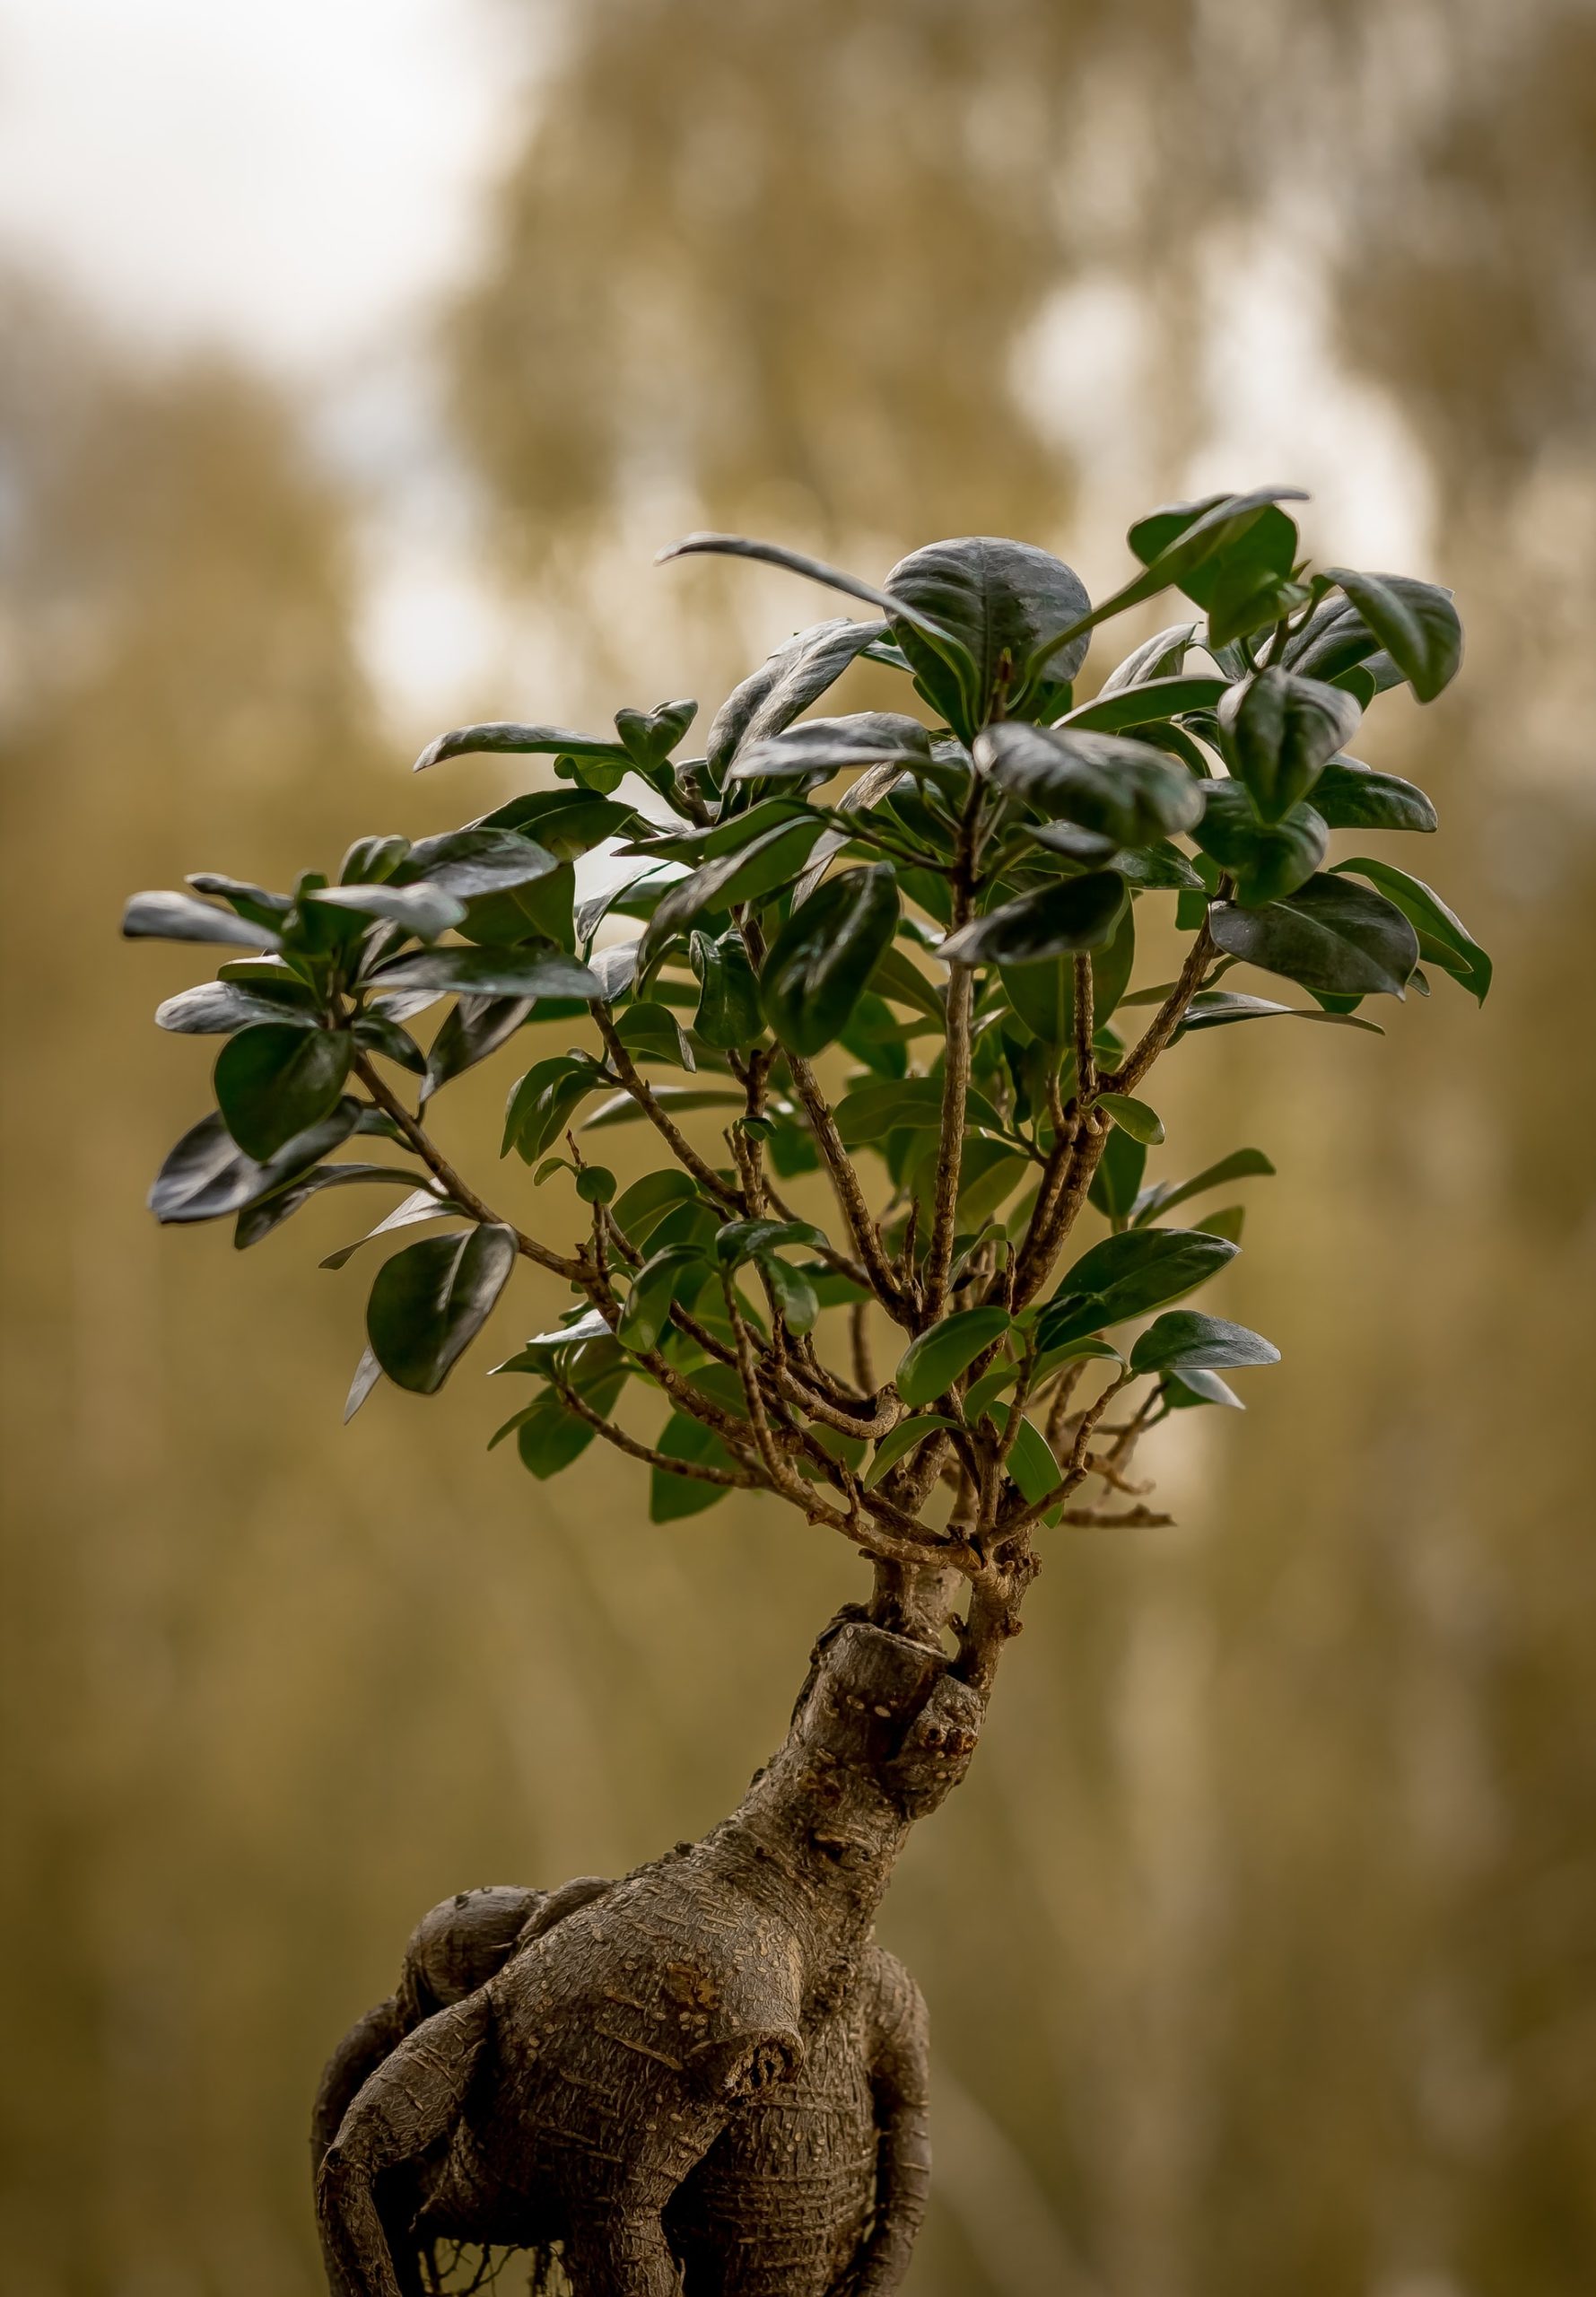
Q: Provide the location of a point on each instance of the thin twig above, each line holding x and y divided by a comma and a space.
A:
643, 1093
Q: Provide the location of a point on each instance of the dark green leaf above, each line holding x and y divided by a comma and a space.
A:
869, 1112
179, 917
536, 742
275, 1079
1002, 603
899, 1440
215, 1008
1118, 1177
367, 1373
875, 1037
1242, 1164
1134, 1117
421, 1204
1444, 939
1071, 913
740, 1240
565, 824
537, 970
1267, 859
1417, 623
747, 875
933, 1362
795, 561
370, 859
1213, 1009
677, 1099
1031, 1463
679, 1273
673, 1497
640, 1209
259, 1219
1350, 795
822, 958
421, 910
1182, 1390
796, 1297
472, 1030
208, 1174
729, 1015
827, 746
376, 1033
1123, 790
1126, 1276
1329, 935
1279, 730
895, 977
1182, 1341
785, 684
1144, 702
1044, 995
550, 1435
1158, 656
542, 1102
650, 736
431, 1300
469, 863
651, 1032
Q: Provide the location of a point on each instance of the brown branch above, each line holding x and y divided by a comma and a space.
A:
1085, 1018
859, 1336
850, 1196
1127, 1519
671, 1134
950, 1140
575, 1271
1168, 1018
701, 1472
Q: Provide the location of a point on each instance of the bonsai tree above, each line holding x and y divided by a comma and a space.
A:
896, 950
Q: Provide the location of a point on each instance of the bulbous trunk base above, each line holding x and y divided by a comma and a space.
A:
705, 2077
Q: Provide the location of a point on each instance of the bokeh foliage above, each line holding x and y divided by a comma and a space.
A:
1258, 1943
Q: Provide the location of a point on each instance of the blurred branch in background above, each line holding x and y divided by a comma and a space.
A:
1259, 1935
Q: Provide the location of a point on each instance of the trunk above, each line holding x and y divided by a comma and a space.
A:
706, 2076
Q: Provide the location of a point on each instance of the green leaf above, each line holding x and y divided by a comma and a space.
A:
895, 977
677, 1099
1158, 656
649, 736
1069, 913
421, 1204
827, 746
544, 1349
740, 1240
542, 1102
565, 823
1134, 1117
251, 901
1182, 1341
595, 1184
640, 1209
1417, 623
1267, 859
1031, 1463
471, 863
1279, 730
1227, 1222
275, 1079
1126, 793
796, 1297
814, 570
1044, 995
869, 1112
535, 741
932, 1363
1126, 1276
1350, 795
677, 1272
1182, 1390
1002, 603
749, 874
431, 1300
207, 1174
875, 1036
259, 1219
215, 1008
537, 970
797, 673
899, 1440
421, 910
470, 1031
673, 1497
1144, 702
178, 917
1118, 1177
729, 1015
1213, 1009
822, 958
1161, 868
1242, 1164
1189, 544
1329, 935
1444, 939
549, 1436
651, 1032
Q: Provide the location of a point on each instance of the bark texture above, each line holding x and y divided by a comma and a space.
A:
706, 2076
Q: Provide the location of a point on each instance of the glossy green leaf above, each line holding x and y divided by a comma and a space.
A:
502, 736
867, 1113
421, 1204
207, 1174
677, 1272
1127, 1275
1031, 1463
1279, 730
899, 1441
651, 1031
1134, 1117
179, 917
1242, 1164
470, 1032
1161, 656
259, 1219
1123, 790
537, 970
275, 1079
1444, 939
640, 1209
748, 874
375, 1033
823, 957
1350, 795
1213, 1009
796, 674
1118, 1177
1182, 1390
1142, 703
565, 823
542, 1102
678, 1100
1329, 935
215, 1008
894, 975
431, 1300
549, 1436
1182, 1341
1002, 603
827, 746
421, 910
1267, 859
648, 737
1069, 913
729, 1014
1417, 623
813, 570
932, 1363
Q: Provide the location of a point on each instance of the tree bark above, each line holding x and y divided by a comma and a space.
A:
705, 2077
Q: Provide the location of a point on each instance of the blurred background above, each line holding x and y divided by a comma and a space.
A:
356, 356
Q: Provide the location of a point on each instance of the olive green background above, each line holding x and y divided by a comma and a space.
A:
1261, 1944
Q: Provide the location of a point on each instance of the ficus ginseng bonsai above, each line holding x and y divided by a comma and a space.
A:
706, 2075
